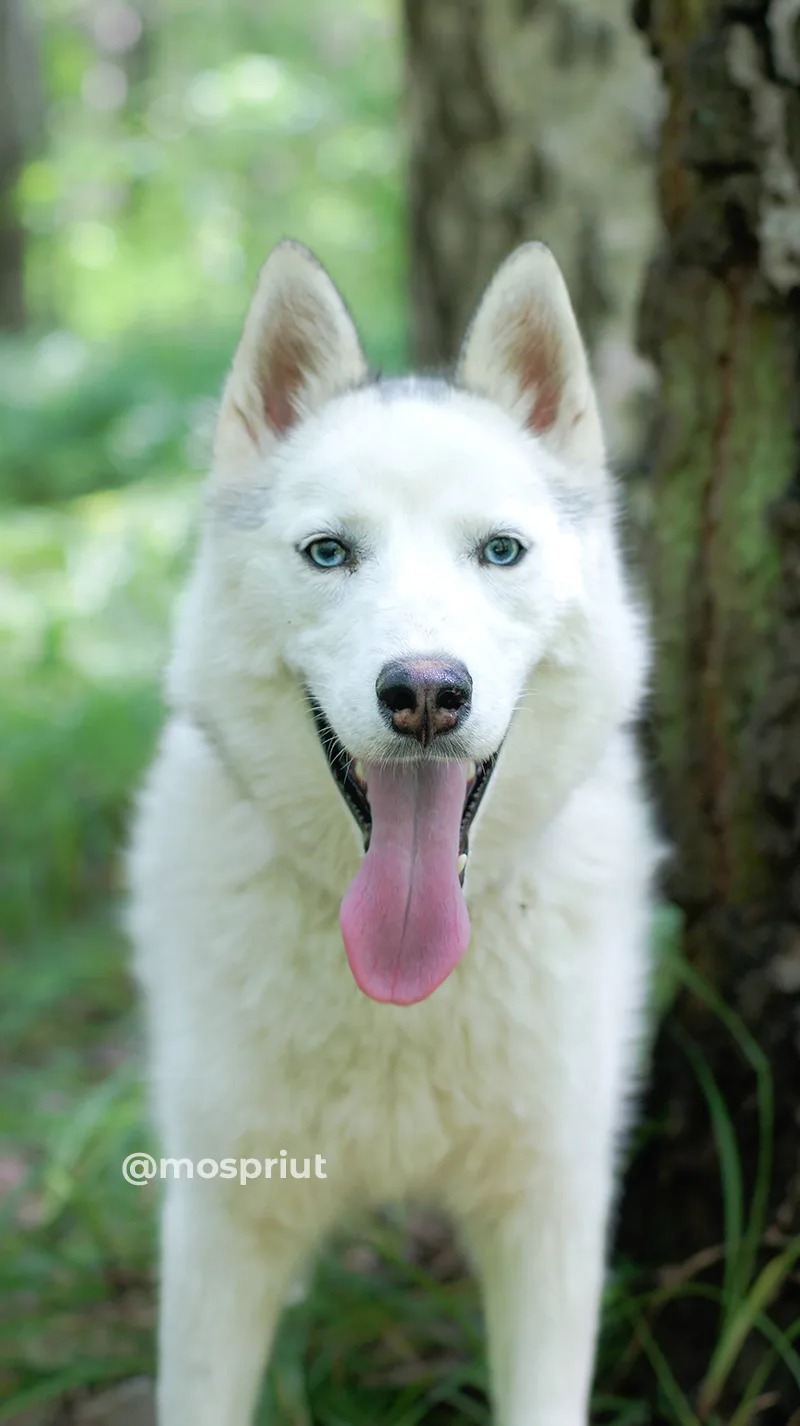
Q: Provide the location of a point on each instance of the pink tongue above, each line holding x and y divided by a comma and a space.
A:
404, 919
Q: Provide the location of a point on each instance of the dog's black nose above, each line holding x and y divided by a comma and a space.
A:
424, 697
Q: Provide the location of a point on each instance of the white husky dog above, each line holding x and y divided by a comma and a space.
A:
391, 871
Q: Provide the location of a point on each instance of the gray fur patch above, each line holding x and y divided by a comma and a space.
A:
243, 508
578, 506
400, 388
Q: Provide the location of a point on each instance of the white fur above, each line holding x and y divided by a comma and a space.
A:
501, 1097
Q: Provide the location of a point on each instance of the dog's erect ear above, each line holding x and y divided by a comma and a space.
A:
523, 351
298, 349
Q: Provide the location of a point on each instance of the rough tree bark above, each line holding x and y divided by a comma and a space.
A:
19, 119
720, 317
502, 150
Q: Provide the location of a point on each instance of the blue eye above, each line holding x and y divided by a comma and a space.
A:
502, 549
327, 553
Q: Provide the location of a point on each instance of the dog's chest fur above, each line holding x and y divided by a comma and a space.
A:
239, 949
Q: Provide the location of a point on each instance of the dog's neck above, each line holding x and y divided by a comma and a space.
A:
215, 742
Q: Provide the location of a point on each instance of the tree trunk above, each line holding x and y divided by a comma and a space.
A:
503, 149
720, 317
19, 115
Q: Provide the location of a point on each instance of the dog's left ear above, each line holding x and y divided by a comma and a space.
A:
523, 351
299, 348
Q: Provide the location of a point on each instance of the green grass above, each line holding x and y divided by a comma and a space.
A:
82, 625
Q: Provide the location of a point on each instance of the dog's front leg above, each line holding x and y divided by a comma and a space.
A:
541, 1264
222, 1287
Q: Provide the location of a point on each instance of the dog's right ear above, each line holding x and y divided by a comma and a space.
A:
298, 349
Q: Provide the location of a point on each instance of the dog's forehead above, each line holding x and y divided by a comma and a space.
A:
439, 450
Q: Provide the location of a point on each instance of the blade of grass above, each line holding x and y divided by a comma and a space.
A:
765, 1108
684, 1416
629, 1413
782, 1351
764, 1289
730, 1169
85, 1373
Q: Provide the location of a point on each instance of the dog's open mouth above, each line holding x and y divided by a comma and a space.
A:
404, 920
349, 775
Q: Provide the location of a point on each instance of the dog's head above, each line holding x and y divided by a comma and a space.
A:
418, 551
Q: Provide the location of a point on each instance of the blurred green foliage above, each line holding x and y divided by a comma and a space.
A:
180, 152
77, 416
181, 142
